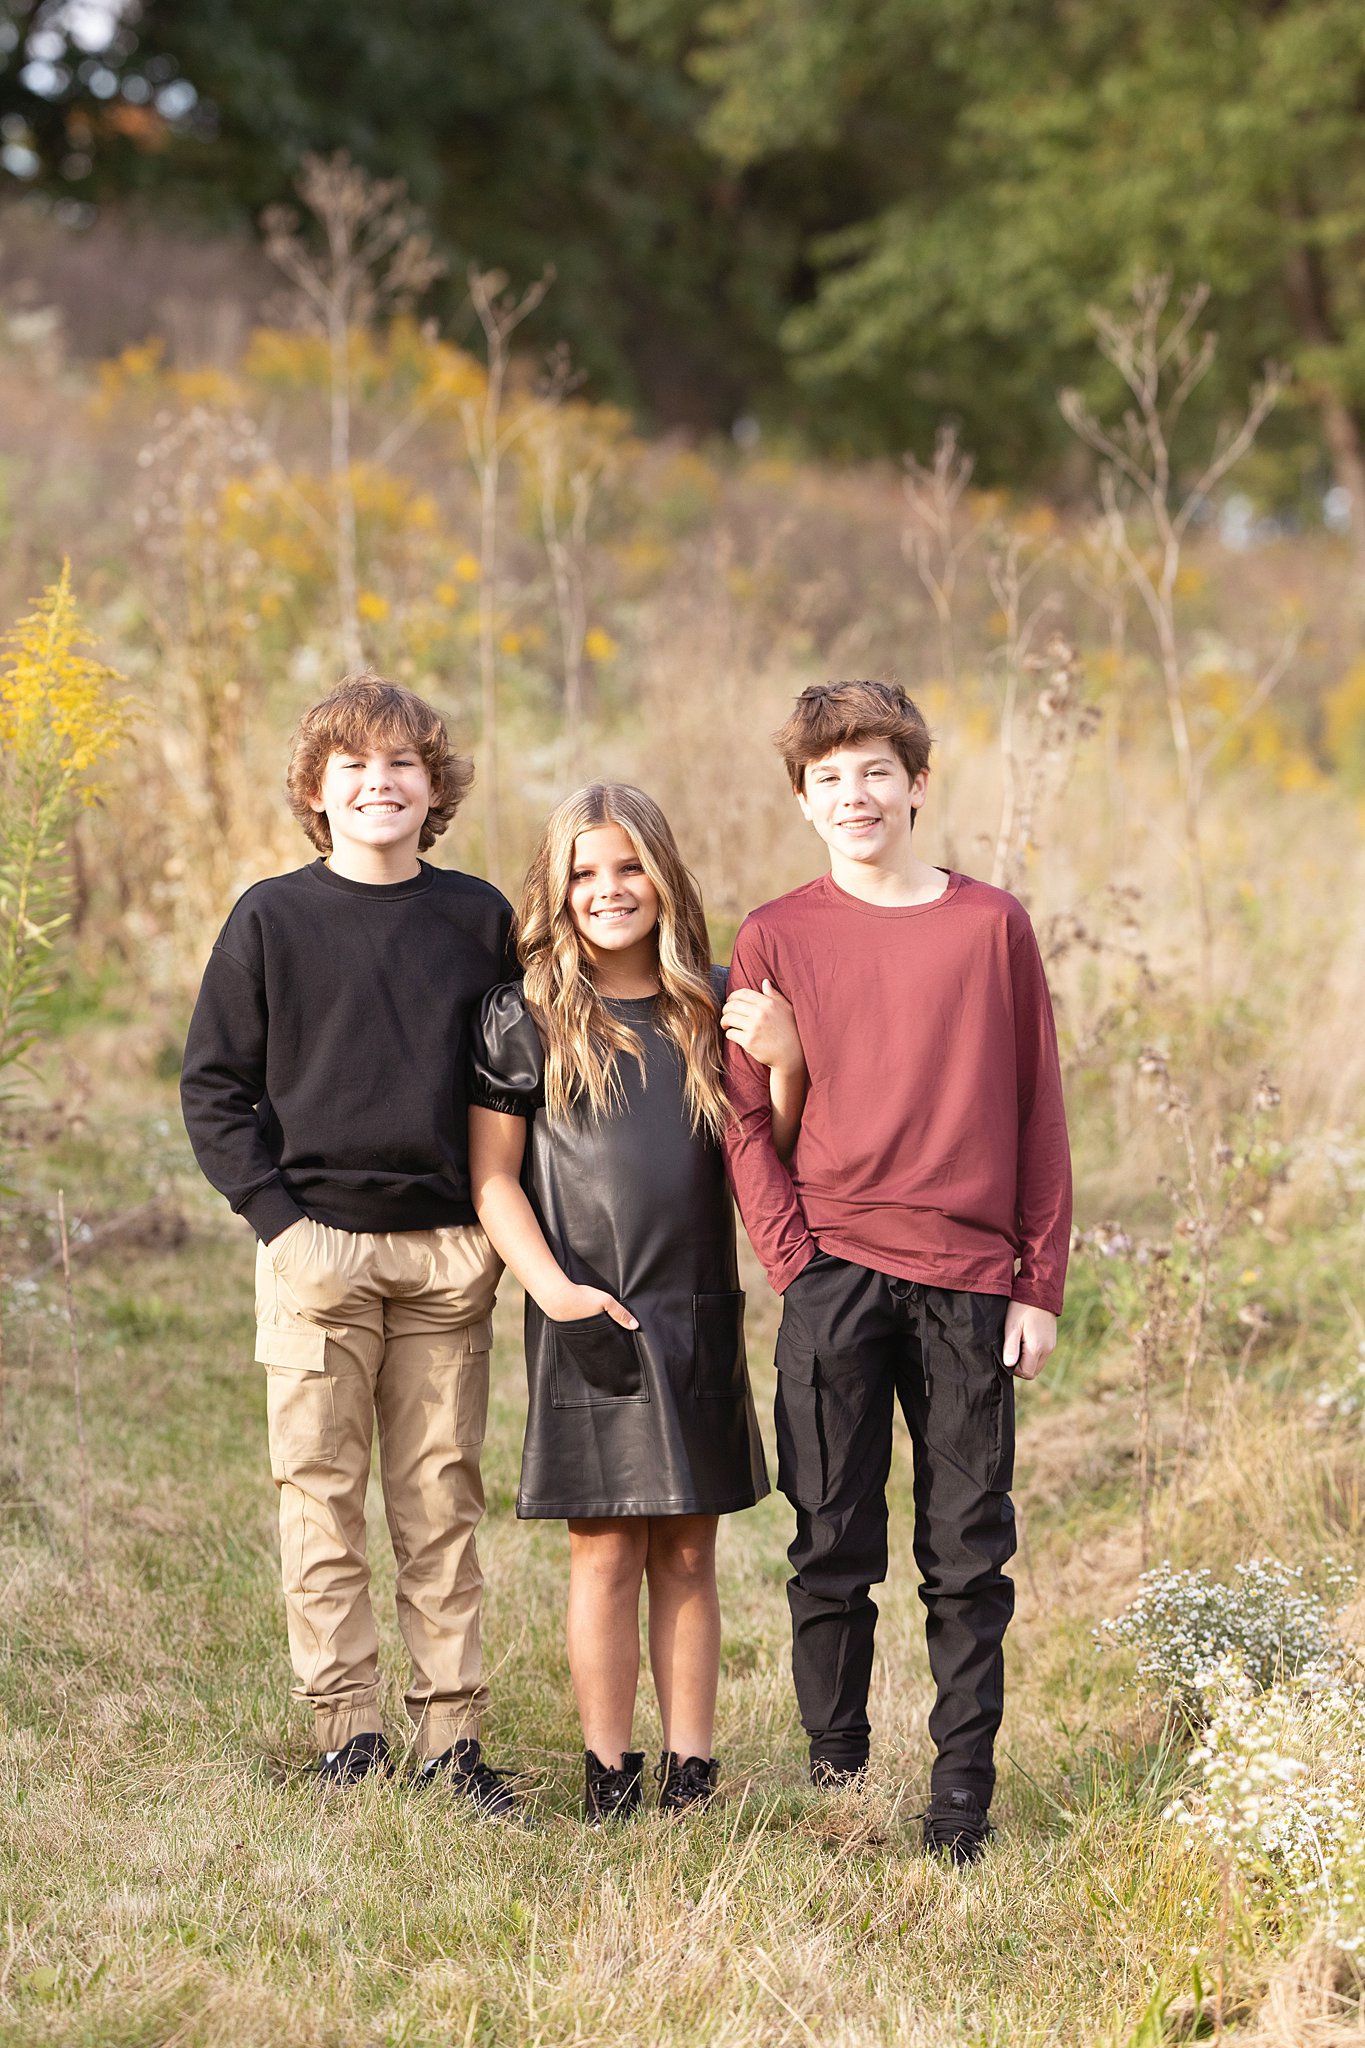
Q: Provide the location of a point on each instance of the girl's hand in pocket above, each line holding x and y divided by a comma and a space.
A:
573, 1304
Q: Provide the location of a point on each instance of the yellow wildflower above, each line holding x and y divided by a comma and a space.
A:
57, 711
136, 369
467, 568
598, 645
372, 606
287, 356
206, 386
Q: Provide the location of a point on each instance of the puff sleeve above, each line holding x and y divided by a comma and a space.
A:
506, 1058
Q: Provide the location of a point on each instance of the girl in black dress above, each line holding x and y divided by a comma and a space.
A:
597, 1173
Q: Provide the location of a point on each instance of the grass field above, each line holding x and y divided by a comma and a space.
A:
169, 1873
1176, 795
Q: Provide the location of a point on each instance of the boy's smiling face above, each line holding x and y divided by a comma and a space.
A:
862, 802
376, 803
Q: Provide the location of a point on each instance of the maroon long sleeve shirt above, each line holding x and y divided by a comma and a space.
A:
933, 1145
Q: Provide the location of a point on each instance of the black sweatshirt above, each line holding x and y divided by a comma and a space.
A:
325, 1068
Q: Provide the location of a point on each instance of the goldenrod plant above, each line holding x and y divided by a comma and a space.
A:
60, 717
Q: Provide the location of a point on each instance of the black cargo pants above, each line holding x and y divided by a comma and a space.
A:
852, 1343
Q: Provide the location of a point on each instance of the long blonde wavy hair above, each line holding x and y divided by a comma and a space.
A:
583, 1040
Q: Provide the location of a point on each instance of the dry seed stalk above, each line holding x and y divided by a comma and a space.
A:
84, 1456
488, 434
1148, 514
378, 258
934, 540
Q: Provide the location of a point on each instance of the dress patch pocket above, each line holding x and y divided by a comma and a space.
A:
594, 1360
718, 1346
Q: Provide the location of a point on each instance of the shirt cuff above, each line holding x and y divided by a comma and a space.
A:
1032, 1295
792, 1266
271, 1210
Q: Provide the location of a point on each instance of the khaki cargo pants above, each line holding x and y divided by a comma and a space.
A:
352, 1326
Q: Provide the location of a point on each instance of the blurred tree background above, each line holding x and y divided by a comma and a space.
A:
848, 219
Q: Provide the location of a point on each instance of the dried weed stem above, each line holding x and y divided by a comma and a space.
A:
83, 1454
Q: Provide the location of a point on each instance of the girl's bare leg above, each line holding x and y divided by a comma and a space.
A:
684, 1628
606, 1565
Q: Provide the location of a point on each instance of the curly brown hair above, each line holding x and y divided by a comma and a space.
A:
828, 716
364, 712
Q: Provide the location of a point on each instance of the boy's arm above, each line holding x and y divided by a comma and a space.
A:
763, 1189
1043, 1202
222, 1081
764, 1023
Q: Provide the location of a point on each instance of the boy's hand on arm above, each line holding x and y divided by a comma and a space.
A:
764, 1023
1030, 1339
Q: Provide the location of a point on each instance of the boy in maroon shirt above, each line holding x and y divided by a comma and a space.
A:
919, 1238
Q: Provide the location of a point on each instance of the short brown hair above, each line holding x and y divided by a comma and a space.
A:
832, 715
369, 711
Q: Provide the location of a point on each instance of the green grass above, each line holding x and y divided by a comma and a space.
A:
168, 1872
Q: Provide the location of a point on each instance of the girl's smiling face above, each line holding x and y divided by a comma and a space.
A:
612, 902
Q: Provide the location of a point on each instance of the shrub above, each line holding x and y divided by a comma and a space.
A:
1282, 1792
1185, 1624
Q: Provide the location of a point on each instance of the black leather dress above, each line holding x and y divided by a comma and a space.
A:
654, 1421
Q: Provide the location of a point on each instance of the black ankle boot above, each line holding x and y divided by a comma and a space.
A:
685, 1781
611, 1795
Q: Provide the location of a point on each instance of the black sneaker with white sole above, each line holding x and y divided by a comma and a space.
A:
359, 1758
956, 1827
462, 1770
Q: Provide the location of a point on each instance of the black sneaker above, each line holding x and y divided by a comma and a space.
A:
828, 1776
685, 1781
354, 1760
461, 1770
956, 1827
609, 1794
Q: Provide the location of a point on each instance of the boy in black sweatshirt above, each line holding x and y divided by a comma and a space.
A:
324, 1095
